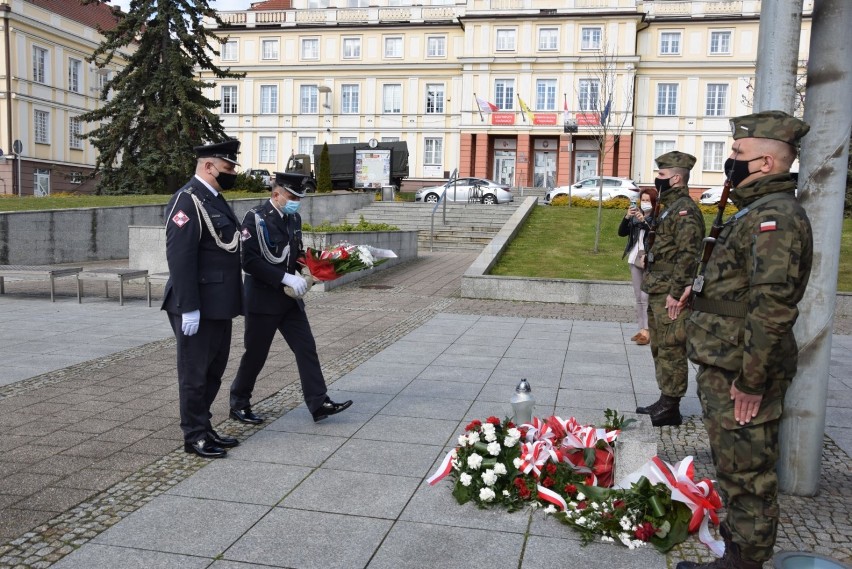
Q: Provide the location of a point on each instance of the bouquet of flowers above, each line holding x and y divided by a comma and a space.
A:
320, 265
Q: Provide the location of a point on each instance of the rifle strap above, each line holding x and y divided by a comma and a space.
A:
721, 307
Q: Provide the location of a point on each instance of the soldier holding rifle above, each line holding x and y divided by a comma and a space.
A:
754, 272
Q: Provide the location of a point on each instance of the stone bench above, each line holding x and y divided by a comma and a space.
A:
41, 272
122, 275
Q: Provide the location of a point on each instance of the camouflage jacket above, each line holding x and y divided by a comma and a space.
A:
761, 263
677, 245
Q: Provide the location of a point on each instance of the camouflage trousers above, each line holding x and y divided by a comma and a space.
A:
668, 346
744, 457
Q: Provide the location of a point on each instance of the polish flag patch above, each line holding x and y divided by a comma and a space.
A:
180, 218
683, 213
768, 226
245, 234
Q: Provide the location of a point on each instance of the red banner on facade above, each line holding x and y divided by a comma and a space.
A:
546, 119
503, 118
588, 119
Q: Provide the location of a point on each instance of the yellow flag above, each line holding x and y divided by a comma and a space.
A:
527, 113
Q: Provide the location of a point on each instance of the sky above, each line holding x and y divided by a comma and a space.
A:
216, 4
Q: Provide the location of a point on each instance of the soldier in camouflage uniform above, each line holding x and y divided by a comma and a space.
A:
741, 330
669, 270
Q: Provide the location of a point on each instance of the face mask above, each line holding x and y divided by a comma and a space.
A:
645, 206
662, 184
291, 207
226, 181
737, 170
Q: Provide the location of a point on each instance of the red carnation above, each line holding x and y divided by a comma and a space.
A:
581, 506
645, 531
510, 425
548, 482
618, 504
524, 492
570, 489
550, 468
519, 482
475, 424
493, 420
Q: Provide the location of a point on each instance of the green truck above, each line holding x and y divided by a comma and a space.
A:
360, 166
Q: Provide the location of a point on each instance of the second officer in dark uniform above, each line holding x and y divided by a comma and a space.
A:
271, 245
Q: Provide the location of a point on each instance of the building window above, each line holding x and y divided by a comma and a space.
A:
75, 70
39, 64
229, 51
717, 100
308, 99
348, 139
504, 94
434, 98
663, 146
590, 38
436, 46
268, 99
268, 148
433, 151
720, 43
306, 144
589, 93
41, 185
393, 48
103, 78
75, 177
669, 43
269, 50
310, 48
548, 39
229, 99
667, 99
316, 4
545, 95
75, 129
41, 124
350, 99
351, 48
713, 156
390, 139
505, 40
392, 99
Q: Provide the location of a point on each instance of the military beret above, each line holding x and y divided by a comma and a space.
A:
291, 181
676, 159
226, 150
776, 125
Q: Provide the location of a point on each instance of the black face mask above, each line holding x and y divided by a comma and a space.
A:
662, 184
226, 181
737, 170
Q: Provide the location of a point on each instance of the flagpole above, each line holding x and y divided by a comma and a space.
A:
476, 100
523, 114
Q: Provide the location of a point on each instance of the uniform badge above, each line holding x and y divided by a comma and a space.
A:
683, 213
245, 234
768, 226
180, 218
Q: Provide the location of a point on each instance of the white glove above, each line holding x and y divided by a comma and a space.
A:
189, 323
296, 282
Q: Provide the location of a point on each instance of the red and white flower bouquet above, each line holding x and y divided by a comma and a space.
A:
320, 265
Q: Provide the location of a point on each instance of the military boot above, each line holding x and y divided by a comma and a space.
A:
650, 409
667, 413
731, 560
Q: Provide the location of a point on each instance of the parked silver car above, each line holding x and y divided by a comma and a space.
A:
588, 189
711, 196
481, 190
263, 174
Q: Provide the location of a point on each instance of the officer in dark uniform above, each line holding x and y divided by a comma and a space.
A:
271, 245
204, 290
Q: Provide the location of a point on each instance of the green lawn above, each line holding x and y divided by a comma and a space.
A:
65, 201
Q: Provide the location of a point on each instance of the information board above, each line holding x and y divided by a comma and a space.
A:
372, 168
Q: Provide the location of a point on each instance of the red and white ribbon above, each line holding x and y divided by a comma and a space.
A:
445, 468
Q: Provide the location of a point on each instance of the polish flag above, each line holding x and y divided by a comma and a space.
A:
485, 106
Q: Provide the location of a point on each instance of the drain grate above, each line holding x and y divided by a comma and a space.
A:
376, 287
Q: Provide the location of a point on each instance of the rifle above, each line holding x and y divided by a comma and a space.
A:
710, 240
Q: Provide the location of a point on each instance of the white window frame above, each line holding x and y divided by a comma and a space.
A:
268, 99
588, 95
75, 130
713, 159
40, 65
310, 49
548, 39
714, 34
667, 95
41, 126
348, 139
390, 139
716, 104
308, 100
392, 99
393, 47
306, 145
75, 75
267, 149
351, 48
350, 99
545, 94
229, 103
436, 47
670, 42
270, 49
435, 98
591, 38
41, 182
229, 51
663, 147
504, 94
433, 151
505, 39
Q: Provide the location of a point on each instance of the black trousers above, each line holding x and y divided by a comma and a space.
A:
259, 332
201, 362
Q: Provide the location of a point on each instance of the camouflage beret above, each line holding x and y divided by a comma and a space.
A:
676, 159
776, 125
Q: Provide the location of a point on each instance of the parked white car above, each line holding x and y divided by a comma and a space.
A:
464, 190
711, 196
612, 188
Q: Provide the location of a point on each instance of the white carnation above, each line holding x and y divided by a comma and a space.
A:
581, 496
490, 437
494, 448
489, 477
499, 468
462, 440
487, 494
509, 442
550, 509
465, 479
472, 437
514, 433
474, 461
517, 462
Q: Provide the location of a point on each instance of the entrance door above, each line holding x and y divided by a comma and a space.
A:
544, 169
586, 165
504, 167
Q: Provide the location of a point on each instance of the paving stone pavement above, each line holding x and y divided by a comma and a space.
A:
92, 475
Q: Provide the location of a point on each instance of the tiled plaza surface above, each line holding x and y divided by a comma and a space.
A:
93, 476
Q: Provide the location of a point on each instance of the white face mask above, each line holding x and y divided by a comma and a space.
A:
645, 206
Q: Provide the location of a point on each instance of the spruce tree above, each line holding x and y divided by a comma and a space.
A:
158, 111
324, 184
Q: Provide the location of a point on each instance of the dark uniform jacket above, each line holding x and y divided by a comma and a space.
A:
677, 245
263, 288
630, 227
760, 267
202, 276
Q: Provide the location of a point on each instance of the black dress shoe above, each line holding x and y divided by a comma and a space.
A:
222, 441
246, 416
205, 448
329, 407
